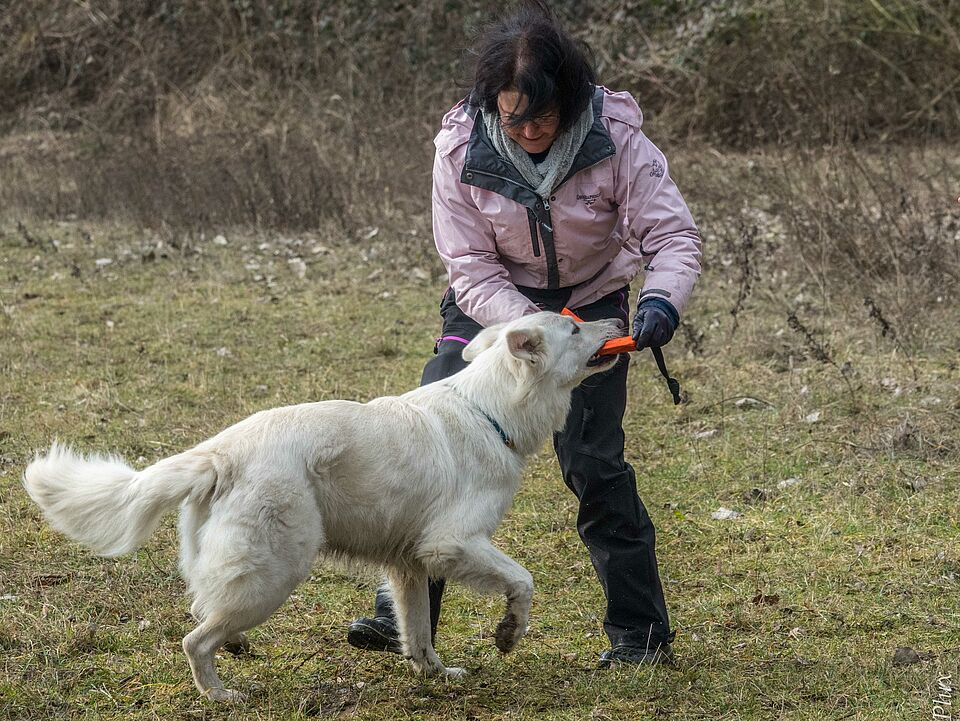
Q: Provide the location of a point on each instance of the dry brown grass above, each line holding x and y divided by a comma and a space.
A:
791, 611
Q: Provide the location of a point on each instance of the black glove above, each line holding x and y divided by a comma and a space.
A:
654, 323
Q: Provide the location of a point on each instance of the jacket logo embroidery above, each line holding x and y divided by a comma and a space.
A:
590, 199
657, 170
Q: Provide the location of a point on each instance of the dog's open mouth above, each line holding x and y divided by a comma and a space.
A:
598, 360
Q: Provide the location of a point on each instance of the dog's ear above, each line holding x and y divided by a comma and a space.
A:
526, 344
483, 340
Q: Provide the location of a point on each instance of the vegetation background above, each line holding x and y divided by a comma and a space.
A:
208, 208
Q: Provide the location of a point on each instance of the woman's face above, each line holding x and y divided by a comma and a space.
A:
534, 136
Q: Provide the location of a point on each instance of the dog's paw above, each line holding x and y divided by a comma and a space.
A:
224, 695
426, 667
509, 632
454, 672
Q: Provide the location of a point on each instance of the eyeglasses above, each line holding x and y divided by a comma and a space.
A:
540, 121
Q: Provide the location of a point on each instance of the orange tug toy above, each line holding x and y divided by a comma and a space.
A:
626, 344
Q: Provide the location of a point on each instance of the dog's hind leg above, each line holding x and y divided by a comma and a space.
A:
192, 518
240, 580
200, 645
478, 564
242, 603
236, 644
411, 602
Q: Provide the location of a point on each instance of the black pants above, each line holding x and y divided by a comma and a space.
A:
612, 522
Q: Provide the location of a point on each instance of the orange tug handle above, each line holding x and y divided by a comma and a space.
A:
624, 344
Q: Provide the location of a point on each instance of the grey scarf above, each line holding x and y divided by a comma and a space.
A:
545, 176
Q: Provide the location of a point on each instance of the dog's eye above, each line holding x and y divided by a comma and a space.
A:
576, 329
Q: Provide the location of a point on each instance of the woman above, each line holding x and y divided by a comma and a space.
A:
546, 194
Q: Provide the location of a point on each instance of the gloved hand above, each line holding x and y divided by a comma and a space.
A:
654, 323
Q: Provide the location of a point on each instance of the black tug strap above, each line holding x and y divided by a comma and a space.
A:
672, 383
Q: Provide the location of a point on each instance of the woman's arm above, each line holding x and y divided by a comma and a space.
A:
659, 223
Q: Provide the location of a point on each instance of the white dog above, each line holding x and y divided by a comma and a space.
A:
416, 484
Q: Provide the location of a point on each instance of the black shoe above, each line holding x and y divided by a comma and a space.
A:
375, 634
637, 656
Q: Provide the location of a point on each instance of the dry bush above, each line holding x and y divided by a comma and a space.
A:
275, 114
865, 237
111, 65
762, 71
882, 222
740, 72
284, 180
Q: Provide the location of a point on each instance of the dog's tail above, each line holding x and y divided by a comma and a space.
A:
106, 505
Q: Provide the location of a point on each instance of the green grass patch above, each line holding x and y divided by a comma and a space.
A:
845, 549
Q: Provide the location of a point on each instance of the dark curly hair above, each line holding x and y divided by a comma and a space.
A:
527, 51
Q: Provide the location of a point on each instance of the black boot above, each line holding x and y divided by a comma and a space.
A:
375, 634
381, 633
637, 656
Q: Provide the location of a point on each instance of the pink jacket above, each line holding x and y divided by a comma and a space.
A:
616, 213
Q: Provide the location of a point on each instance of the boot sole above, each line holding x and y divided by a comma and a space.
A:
657, 658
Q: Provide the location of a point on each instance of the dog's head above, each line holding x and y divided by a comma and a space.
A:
549, 344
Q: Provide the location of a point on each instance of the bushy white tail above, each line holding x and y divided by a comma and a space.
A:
106, 505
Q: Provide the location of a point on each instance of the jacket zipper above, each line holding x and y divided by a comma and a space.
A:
552, 272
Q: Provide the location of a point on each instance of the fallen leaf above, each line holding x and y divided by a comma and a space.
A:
905, 656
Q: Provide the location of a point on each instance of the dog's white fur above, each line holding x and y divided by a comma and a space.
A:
417, 484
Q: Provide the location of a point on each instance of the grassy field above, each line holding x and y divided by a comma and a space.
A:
844, 471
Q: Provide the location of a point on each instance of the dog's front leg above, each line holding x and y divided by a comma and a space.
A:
486, 569
411, 601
